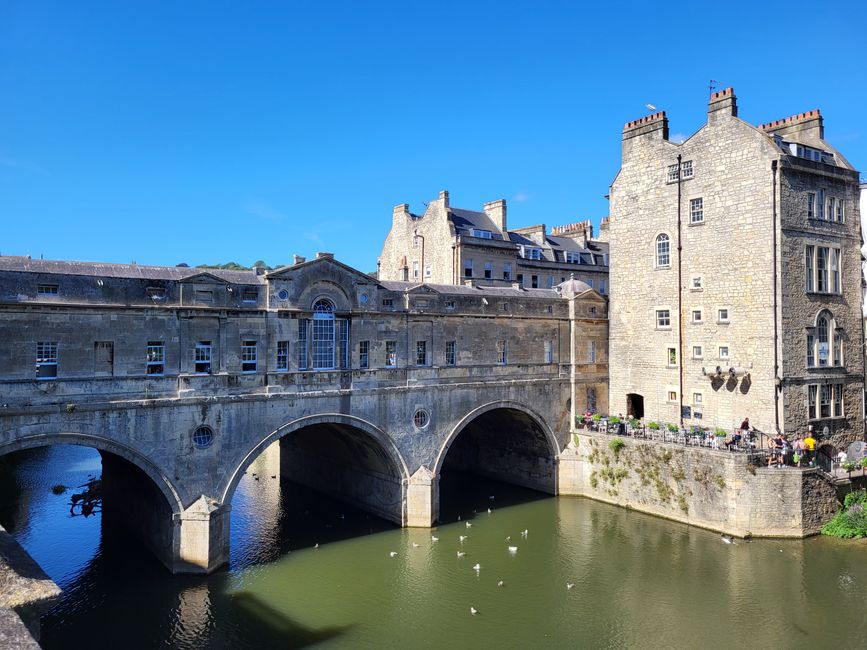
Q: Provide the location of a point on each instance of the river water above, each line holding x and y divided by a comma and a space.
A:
638, 581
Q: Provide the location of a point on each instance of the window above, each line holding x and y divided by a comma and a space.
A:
591, 399
573, 258
489, 270
550, 282
155, 355
685, 169
672, 175
697, 352
602, 288
722, 315
203, 295
549, 352
249, 356
451, 353
671, 356
427, 270
663, 251
531, 253
591, 351
696, 283
468, 268
420, 418
811, 205
421, 353
156, 293
302, 344
323, 335
203, 437
388, 303
364, 354
822, 266
696, 315
589, 282
282, 356
250, 295
46, 360
202, 358
481, 234
825, 342
820, 205
47, 289
663, 318
344, 342
672, 396
696, 210
415, 269
391, 354
723, 352
697, 398
534, 281
507, 271
502, 352
521, 279
825, 401
838, 212
504, 306
450, 304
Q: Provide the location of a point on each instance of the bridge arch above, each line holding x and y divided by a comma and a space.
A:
374, 433
101, 443
473, 415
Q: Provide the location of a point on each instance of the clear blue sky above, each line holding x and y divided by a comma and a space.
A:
206, 132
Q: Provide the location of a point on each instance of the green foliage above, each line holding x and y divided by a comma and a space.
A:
720, 481
70, 408
633, 422
848, 466
614, 420
653, 426
864, 463
677, 473
672, 428
682, 504
596, 417
616, 445
593, 480
720, 433
851, 521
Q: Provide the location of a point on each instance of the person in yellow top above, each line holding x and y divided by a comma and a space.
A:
810, 448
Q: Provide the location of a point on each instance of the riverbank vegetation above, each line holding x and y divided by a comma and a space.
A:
851, 521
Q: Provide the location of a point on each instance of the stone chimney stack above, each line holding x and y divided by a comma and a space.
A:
400, 214
588, 232
496, 211
643, 131
809, 124
298, 259
324, 256
444, 197
722, 104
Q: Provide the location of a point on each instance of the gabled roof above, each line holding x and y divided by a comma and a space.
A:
329, 261
204, 276
463, 220
463, 290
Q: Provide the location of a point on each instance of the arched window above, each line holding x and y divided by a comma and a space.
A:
825, 342
663, 250
323, 335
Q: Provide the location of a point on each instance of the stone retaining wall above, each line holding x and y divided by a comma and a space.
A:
713, 489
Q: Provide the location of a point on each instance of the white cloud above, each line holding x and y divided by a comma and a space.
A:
521, 197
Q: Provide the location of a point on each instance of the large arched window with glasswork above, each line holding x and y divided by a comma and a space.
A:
663, 250
825, 342
323, 335
323, 339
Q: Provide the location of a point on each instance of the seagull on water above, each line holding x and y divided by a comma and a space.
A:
392, 554
727, 539
513, 549
524, 534
462, 538
469, 525
316, 545
461, 553
414, 545
434, 539
508, 538
569, 585
473, 611
478, 567
500, 583
489, 511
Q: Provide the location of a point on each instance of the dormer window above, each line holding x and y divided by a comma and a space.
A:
47, 290
531, 253
481, 234
250, 295
573, 258
156, 293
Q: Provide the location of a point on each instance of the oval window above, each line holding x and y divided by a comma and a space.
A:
203, 437
283, 294
421, 418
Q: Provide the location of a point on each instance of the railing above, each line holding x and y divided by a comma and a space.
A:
753, 442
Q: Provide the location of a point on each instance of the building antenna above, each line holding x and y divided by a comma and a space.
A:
711, 86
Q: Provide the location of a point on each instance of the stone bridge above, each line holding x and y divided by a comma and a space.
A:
171, 463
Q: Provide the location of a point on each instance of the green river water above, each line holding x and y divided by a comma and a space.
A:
639, 581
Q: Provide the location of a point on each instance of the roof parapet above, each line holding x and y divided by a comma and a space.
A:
649, 125
809, 123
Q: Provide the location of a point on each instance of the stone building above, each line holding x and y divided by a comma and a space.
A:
447, 245
735, 289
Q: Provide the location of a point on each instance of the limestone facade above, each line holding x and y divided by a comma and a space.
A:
735, 252
448, 245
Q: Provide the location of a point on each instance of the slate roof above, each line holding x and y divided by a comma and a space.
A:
463, 220
23, 264
481, 292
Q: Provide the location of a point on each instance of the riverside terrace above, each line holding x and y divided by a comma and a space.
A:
181, 378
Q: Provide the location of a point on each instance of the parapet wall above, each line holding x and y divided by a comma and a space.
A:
718, 490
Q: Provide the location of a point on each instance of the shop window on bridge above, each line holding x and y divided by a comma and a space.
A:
249, 356
202, 358
156, 358
46, 360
